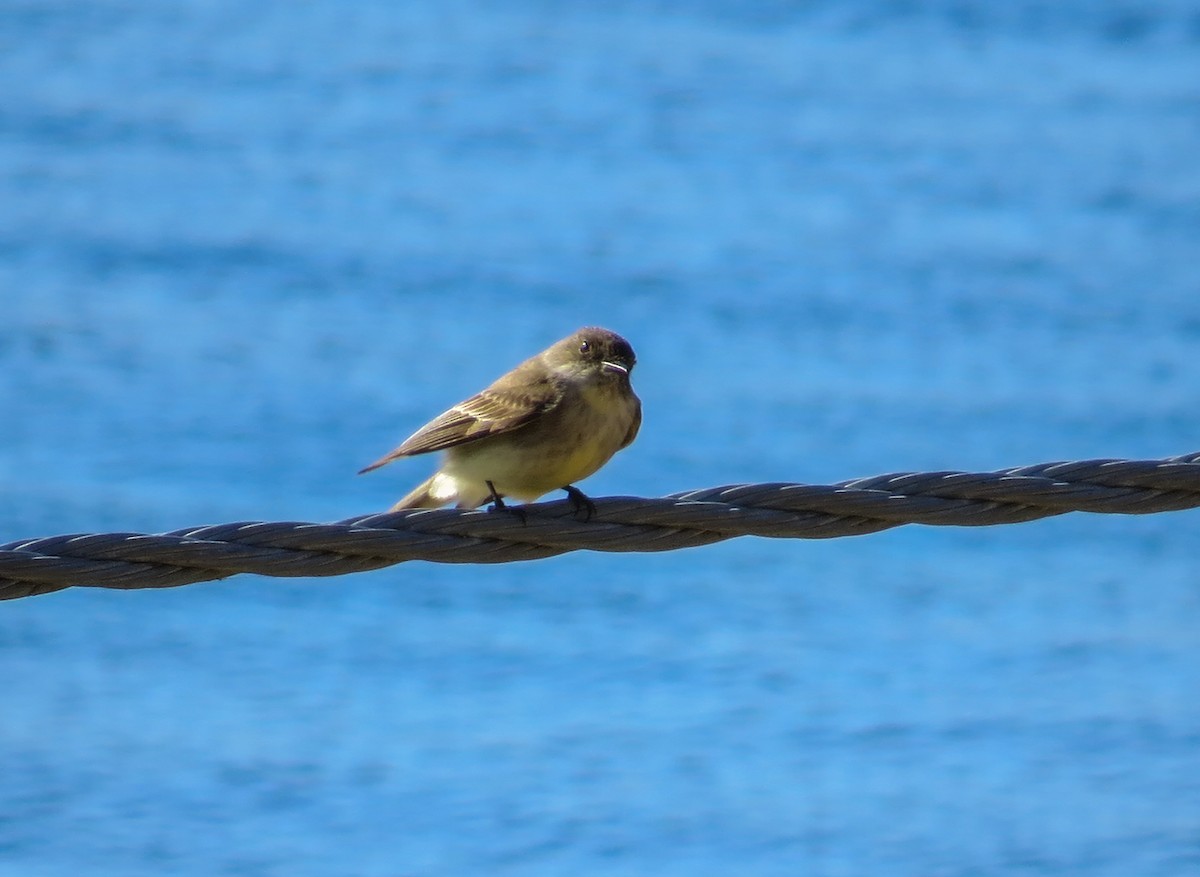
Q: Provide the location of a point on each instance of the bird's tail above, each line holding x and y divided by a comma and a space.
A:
421, 497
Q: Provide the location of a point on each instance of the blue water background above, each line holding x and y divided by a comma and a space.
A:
247, 247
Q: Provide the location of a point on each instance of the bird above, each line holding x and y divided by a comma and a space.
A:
553, 420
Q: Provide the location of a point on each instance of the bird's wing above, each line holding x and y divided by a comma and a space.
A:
634, 426
494, 411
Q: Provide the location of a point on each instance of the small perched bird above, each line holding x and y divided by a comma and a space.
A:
553, 420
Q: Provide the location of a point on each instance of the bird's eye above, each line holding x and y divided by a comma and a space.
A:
584, 347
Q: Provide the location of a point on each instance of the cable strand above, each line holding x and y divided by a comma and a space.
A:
683, 520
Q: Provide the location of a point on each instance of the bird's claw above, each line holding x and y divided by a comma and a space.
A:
580, 501
499, 505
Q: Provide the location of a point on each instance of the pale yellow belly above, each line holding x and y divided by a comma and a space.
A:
545, 456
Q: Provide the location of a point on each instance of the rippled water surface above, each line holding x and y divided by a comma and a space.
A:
246, 248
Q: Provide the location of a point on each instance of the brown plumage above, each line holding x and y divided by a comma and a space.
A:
553, 420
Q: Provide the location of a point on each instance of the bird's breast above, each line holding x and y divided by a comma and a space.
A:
562, 446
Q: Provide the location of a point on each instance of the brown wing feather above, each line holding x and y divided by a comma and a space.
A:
499, 409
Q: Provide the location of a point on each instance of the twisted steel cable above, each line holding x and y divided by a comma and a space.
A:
682, 520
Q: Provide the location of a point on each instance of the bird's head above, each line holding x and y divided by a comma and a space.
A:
594, 353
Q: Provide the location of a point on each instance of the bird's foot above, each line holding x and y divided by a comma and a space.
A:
580, 501
498, 504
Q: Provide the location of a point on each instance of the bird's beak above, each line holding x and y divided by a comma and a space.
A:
614, 367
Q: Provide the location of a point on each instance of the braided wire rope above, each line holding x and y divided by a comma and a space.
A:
682, 520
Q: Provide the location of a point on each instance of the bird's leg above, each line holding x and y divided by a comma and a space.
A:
580, 501
498, 503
